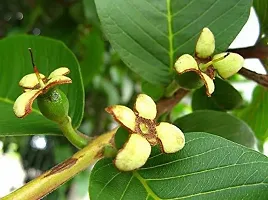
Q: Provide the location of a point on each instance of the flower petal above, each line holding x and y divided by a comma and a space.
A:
184, 63
172, 138
23, 104
134, 154
59, 72
145, 106
29, 81
57, 80
205, 45
210, 87
124, 115
228, 66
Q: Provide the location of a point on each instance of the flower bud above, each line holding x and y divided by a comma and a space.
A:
205, 45
54, 105
228, 66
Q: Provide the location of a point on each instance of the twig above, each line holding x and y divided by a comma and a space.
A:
52, 179
166, 104
258, 51
261, 79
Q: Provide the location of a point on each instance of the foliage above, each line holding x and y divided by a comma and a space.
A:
115, 50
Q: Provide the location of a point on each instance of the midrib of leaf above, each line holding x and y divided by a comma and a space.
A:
145, 185
170, 34
8, 101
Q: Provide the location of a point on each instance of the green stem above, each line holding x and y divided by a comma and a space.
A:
171, 89
55, 177
78, 140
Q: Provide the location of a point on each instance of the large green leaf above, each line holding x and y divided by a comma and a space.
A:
256, 113
208, 167
218, 123
149, 35
225, 97
15, 63
261, 8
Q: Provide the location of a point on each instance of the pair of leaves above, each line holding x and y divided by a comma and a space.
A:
149, 35
15, 62
208, 167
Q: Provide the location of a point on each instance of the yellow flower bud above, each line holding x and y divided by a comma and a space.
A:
228, 66
205, 45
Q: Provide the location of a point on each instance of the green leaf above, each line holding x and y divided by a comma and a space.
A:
261, 8
154, 91
93, 50
15, 62
225, 97
208, 167
149, 35
218, 123
256, 113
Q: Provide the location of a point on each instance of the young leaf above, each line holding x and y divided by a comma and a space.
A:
256, 113
15, 62
208, 167
225, 97
218, 123
149, 35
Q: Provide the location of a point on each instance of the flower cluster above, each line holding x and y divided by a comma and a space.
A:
144, 133
203, 64
36, 84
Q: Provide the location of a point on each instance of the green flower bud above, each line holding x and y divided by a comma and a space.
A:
54, 105
205, 45
228, 66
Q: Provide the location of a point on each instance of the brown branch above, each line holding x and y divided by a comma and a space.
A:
261, 79
258, 51
166, 104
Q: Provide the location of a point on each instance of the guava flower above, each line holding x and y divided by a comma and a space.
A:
36, 84
144, 133
226, 64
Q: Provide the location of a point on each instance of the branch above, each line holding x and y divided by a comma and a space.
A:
261, 79
165, 105
258, 51
55, 177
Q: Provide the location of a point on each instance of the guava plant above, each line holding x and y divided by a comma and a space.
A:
167, 51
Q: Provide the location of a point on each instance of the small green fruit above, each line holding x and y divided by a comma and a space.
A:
189, 80
228, 66
54, 105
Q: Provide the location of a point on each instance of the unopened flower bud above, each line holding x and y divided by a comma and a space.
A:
228, 66
205, 45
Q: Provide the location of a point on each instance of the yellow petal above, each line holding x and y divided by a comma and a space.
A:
59, 72
30, 80
124, 115
134, 154
184, 63
23, 104
57, 80
210, 87
171, 137
145, 106
228, 66
205, 45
